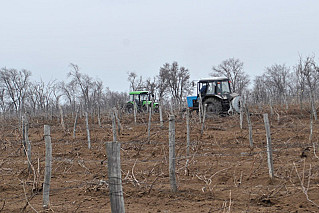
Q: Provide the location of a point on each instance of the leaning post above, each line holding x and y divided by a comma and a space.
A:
269, 149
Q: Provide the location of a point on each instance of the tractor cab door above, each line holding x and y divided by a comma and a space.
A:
223, 88
207, 88
144, 97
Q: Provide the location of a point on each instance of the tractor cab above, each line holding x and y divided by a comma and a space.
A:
140, 97
213, 86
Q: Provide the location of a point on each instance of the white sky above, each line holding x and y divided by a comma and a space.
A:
108, 38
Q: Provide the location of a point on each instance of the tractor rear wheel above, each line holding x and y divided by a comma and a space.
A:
129, 108
213, 106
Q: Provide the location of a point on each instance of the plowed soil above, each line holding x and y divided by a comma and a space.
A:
222, 173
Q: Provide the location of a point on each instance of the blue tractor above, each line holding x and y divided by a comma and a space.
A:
216, 95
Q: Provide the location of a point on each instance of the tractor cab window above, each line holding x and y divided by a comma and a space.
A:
203, 88
225, 87
222, 87
134, 98
211, 88
144, 97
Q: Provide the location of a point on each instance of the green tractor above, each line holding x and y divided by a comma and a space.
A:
142, 99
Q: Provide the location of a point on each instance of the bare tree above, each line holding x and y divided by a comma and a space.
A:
16, 84
150, 85
308, 70
177, 80
278, 78
233, 69
259, 92
135, 82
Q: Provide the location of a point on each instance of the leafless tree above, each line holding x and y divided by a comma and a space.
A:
150, 85
308, 74
259, 92
233, 69
278, 78
16, 84
70, 92
135, 82
177, 80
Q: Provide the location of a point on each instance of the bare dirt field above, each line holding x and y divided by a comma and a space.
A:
223, 174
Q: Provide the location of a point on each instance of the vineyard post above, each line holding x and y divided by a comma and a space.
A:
48, 163
99, 116
113, 126
269, 149
241, 114
200, 106
135, 111
23, 135
28, 144
311, 127
250, 128
204, 118
61, 115
118, 120
87, 128
75, 122
114, 175
172, 175
149, 124
161, 114
188, 132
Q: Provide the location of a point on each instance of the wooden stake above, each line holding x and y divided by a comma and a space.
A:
114, 174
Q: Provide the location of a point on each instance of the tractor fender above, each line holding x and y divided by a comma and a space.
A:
235, 104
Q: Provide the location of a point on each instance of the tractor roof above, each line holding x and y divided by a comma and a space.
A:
138, 92
203, 80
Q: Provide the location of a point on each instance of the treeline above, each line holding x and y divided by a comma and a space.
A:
279, 84
18, 95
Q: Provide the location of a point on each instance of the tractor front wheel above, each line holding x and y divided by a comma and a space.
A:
213, 106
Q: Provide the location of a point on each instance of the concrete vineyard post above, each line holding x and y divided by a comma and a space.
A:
48, 164
241, 114
172, 175
200, 106
161, 114
28, 144
311, 127
204, 118
135, 111
87, 129
99, 116
269, 149
149, 124
188, 132
23, 135
61, 115
75, 123
114, 176
118, 120
250, 128
113, 127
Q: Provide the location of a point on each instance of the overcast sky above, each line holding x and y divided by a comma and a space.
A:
108, 38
